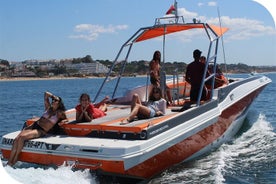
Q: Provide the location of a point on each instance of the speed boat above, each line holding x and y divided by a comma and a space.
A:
146, 147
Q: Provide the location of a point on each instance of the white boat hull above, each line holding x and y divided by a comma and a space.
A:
178, 137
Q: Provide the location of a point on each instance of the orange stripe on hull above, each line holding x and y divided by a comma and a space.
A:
80, 163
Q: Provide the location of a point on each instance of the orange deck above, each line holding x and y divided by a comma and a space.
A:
109, 123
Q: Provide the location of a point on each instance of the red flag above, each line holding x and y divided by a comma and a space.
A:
171, 10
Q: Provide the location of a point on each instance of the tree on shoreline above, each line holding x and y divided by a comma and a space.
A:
131, 68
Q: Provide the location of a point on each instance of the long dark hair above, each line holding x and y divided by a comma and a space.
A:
56, 129
61, 106
84, 95
155, 56
155, 89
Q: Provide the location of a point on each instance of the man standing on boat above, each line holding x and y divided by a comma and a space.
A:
194, 74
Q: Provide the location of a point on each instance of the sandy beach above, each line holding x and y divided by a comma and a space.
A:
38, 78
49, 78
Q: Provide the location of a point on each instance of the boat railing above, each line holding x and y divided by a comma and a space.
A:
169, 20
145, 33
175, 89
147, 86
211, 59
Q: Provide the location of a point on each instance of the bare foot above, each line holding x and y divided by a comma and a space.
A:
124, 122
106, 99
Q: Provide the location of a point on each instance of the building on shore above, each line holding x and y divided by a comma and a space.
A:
29, 68
87, 68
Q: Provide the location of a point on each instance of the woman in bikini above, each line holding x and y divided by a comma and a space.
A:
54, 113
155, 67
156, 106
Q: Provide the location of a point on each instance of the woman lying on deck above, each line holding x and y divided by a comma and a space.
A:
86, 111
156, 106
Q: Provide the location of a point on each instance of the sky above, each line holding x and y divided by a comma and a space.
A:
60, 29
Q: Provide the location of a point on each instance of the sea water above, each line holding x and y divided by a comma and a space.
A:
250, 157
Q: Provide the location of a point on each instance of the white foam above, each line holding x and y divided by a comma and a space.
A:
50, 175
251, 151
5, 177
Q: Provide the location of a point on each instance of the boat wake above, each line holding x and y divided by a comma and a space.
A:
244, 160
31, 173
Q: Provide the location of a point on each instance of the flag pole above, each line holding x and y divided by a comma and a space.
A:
176, 12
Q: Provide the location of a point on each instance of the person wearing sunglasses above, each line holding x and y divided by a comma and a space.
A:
156, 106
54, 114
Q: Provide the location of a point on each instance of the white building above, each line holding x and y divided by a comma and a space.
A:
88, 68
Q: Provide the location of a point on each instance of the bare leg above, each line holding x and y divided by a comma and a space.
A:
138, 109
103, 107
19, 143
13, 152
135, 100
103, 102
169, 96
133, 113
141, 110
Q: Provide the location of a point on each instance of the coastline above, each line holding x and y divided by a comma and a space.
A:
38, 78
3, 79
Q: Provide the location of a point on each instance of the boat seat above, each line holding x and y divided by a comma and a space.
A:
110, 124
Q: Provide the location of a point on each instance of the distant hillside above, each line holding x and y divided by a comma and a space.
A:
140, 67
86, 66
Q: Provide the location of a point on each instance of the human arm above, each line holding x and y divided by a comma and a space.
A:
187, 75
47, 103
84, 113
162, 105
63, 118
159, 107
62, 122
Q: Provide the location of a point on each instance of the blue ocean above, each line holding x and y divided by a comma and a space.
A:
250, 157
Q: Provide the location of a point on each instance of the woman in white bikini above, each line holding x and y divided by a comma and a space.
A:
156, 106
54, 113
